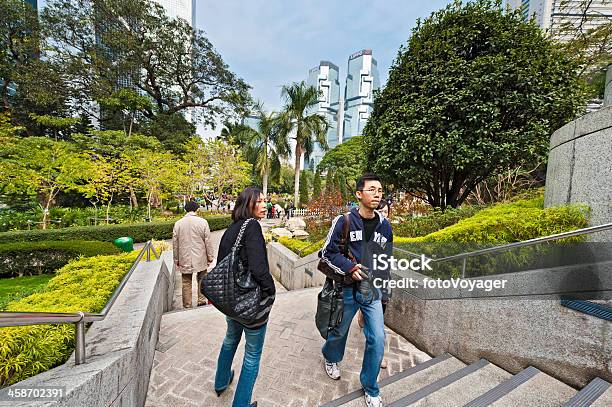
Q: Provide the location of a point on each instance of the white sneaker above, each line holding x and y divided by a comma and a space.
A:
373, 401
332, 370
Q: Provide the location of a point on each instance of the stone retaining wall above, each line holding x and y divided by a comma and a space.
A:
292, 271
511, 332
120, 348
580, 167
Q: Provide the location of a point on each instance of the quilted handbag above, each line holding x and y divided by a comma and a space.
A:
230, 285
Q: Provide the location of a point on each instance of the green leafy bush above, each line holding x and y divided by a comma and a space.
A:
301, 247
500, 224
29, 258
437, 220
18, 220
82, 285
140, 232
510, 222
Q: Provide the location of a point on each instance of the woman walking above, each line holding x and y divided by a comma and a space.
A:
250, 204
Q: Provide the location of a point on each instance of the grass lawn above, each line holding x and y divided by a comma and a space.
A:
18, 287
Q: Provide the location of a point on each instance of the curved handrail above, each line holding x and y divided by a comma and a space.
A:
79, 318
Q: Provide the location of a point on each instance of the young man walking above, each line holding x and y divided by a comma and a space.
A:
193, 251
369, 232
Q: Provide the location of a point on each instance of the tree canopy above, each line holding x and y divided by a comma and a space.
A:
474, 91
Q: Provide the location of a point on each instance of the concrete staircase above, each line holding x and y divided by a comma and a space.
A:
447, 381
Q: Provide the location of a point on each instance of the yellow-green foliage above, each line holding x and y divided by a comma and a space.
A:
510, 222
301, 247
82, 285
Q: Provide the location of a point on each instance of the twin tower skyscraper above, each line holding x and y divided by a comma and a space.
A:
347, 116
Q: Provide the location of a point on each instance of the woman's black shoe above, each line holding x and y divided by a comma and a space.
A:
253, 404
220, 392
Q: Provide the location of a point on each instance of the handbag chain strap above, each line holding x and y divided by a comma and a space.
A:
242, 229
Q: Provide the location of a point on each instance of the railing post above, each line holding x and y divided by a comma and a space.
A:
149, 250
79, 351
463, 268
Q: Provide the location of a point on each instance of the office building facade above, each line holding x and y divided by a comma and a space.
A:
361, 80
554, 15
326, 79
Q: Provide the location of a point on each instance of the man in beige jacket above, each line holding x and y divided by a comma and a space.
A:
193, 250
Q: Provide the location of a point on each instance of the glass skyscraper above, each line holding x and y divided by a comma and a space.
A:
361, 80
325, 78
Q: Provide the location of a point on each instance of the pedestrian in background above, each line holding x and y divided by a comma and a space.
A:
193, 251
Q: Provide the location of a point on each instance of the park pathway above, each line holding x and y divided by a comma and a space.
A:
291, 372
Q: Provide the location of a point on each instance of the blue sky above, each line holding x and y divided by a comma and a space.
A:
270, 43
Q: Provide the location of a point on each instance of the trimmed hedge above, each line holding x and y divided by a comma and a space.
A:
301, 247
433, 222
140, 232
497, 225
510, 222
82, 285
29, 258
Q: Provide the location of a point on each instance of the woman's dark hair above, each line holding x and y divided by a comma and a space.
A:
382, 204
245, 203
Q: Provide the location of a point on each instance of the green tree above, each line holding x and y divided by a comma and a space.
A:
216, 164
127, 102
19, 44
317, 188
304, 187
172, 130
99, 42
347, 159
42, 167
330, 187
59, 126
306, 129
475, 91
264, 146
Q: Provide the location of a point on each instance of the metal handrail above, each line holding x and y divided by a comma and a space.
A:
508, 246
78, 318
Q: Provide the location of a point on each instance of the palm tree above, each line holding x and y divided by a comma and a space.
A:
265, 146
309, 128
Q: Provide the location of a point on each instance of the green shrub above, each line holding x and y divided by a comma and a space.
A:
510, 222
29, 258
301, 247
82, 285
140, 232
437, 220
18, 220
500, 224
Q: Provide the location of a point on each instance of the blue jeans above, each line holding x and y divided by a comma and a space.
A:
374, 330
250, 363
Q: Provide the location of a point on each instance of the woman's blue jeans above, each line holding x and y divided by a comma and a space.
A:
250, 363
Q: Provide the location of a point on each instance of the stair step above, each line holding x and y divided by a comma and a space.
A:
595, 392
503, 388
457, 388
541, 390
589, 308
393, 387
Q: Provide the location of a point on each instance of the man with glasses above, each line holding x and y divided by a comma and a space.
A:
369, 233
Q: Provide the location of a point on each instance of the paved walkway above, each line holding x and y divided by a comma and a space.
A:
291, 372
